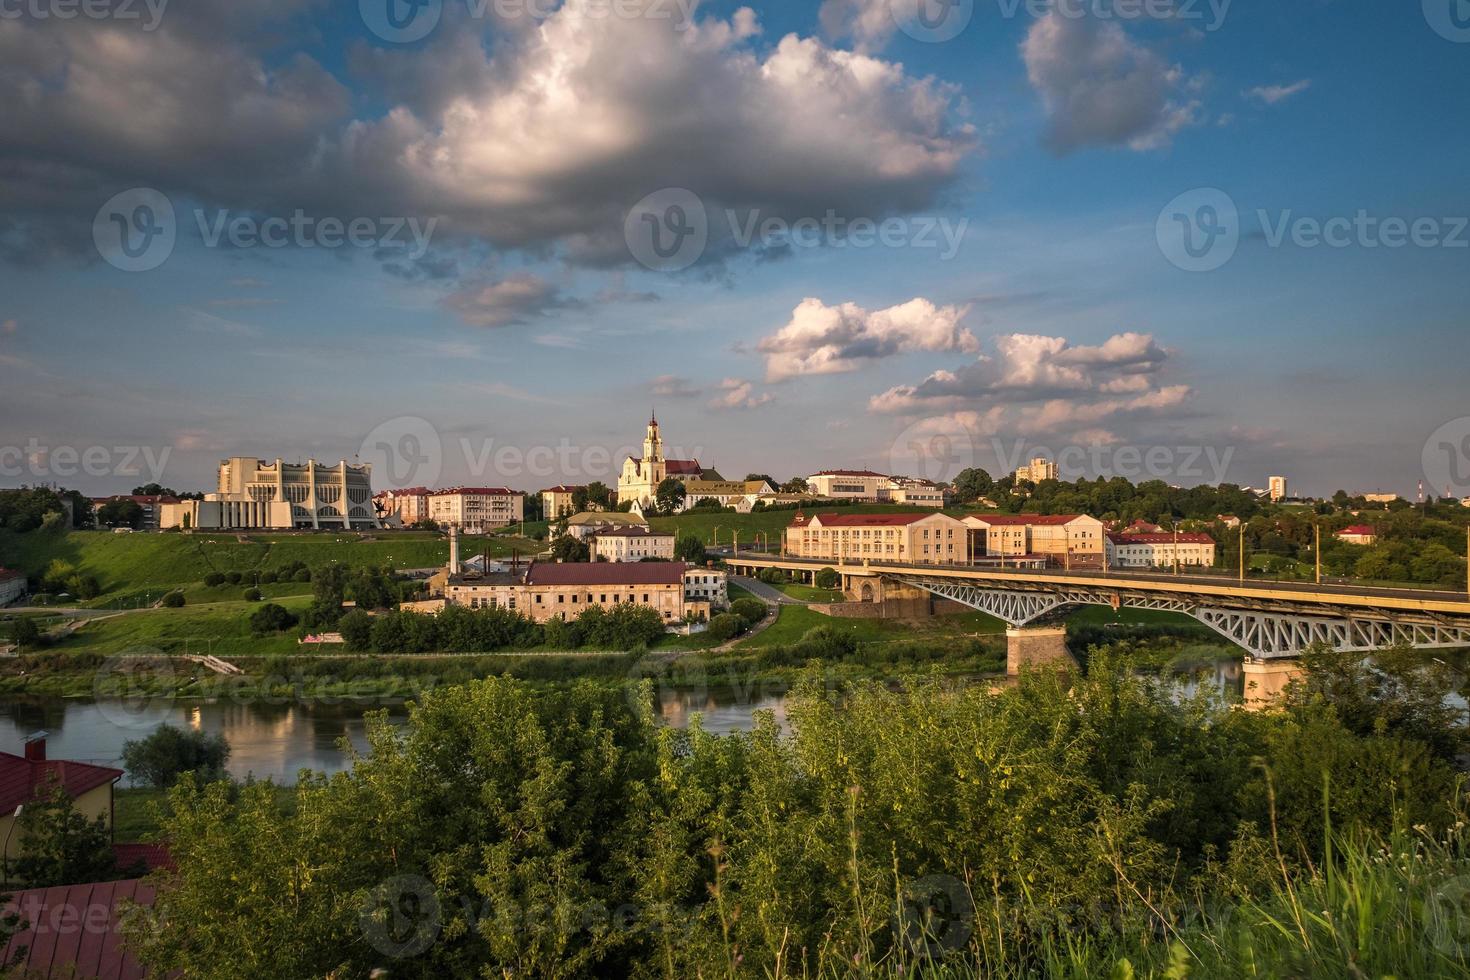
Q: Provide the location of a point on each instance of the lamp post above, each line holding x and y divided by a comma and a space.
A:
14, 819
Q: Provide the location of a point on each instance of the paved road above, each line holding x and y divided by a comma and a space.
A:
767, 592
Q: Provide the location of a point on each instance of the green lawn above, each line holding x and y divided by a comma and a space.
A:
220, 628
794, 622
807, 593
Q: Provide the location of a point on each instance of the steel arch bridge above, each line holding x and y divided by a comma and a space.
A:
1262, 633
1269, 620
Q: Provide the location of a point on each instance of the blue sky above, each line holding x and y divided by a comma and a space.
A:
1054, 142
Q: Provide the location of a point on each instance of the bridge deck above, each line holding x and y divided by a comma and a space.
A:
1222, 590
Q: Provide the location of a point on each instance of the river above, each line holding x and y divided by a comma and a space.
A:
278, 739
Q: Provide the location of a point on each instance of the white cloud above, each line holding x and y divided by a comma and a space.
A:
822, 339
1102, 88
672, 386
869, 23
736, 394
1045, 385
513, 300
1272, 94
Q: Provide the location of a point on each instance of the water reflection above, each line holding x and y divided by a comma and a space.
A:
278, 739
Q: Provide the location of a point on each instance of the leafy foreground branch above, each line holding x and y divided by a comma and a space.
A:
1101, 830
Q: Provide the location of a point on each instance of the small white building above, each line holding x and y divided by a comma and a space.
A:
1361, 534
12, 586
707, 585
632, 544
1192, 549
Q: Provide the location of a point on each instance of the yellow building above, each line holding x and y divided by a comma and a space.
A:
854, 538
640, 477
584, 526
254, 494
632, 544
1037, 470
558, 502
548, 590
27, 779
1068, 540
402, 507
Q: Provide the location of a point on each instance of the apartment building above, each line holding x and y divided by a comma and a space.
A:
1068, 540
632, 544
1039, 469
558, 502
476, 509
909, 538
409, 506
1186, 549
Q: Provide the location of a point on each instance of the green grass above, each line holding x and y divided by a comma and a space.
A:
807, 593
794, 622
220, 628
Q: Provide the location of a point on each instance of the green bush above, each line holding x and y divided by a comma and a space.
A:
828, 578
161, 758
253, 595
271, 618
301, 575
750, 610
214, 579
268, 578
173, 600
725, 626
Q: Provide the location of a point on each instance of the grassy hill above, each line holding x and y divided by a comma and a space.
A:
130, 567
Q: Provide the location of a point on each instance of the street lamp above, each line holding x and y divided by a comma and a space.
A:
14, 819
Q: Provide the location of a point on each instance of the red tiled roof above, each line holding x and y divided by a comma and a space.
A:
1163, 537
883, 476
1357, 529
406, 492
22, 779
6, 574
1032, 520
151, 856
72, 931
682, 466
607, 573
870, 520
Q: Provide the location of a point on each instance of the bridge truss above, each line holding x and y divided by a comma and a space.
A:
1265, 633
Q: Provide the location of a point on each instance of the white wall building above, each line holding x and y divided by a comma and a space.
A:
1187, 549
254, 494
632, 544
476, 509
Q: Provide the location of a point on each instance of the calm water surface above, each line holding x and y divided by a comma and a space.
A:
278, 740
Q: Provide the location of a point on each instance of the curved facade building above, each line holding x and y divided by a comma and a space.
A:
260, 494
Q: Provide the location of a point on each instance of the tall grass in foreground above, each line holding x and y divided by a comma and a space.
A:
1374, 908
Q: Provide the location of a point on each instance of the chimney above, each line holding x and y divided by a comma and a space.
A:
36, 747
454, 549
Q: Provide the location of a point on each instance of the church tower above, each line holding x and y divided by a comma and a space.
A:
653, 443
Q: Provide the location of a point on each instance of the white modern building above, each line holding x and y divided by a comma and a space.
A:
476, 509
256, 494
1164, 550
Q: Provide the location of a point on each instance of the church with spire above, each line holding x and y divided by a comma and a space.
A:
640, 477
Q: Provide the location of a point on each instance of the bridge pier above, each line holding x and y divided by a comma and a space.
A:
1030, 647
1266, 681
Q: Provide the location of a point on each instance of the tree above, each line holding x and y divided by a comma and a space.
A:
253, 594
600, 495
161, 758
569, 549
752, 477
271, 618
173, 600
796, 484
669, 496
120, 512
329, 591
63, 847
828, 578
972, 484
24, 633
690, 548
357, 630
